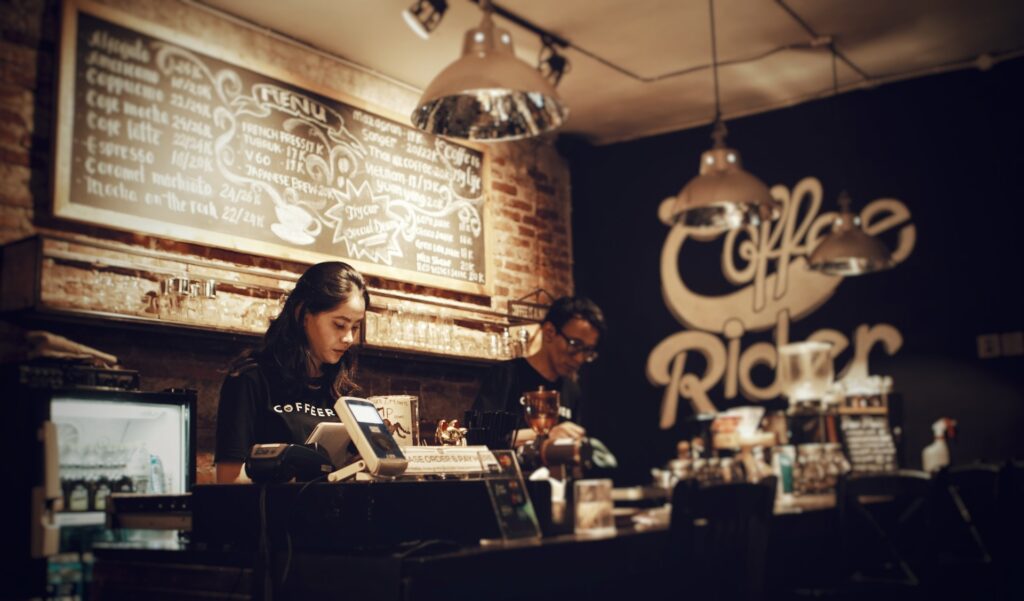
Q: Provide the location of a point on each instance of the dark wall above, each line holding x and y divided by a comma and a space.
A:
947, 146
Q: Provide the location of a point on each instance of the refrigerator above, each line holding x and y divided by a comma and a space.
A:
72, 440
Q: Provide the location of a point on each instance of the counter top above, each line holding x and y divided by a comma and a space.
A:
558, 567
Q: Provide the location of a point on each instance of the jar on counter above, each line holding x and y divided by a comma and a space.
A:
811, 474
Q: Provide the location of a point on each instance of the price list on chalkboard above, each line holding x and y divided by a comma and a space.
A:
160, 138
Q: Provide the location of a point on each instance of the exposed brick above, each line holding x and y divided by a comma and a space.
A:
546, 189
519, 205
500, 161
537, 175
18, 158
15, 218
21, 21
14, 185
514, 216
552, 216
506, 188
529, 232
17, 100
521, 242
501, 290
11, 234
537, 223
18, 64
404, 386
518, 267
519, 255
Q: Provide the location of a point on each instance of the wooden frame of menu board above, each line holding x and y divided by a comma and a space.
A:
156, 135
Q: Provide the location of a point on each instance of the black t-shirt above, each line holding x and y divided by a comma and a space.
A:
256, 407
505, 383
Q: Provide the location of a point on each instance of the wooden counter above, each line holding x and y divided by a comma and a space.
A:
561, 567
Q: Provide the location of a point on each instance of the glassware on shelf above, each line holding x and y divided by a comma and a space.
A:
494, 345
447, 330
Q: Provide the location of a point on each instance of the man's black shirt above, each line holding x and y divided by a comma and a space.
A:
504, 384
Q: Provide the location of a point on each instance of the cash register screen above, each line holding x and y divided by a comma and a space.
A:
366, 414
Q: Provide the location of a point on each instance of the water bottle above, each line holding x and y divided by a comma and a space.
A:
156, 475
139, 469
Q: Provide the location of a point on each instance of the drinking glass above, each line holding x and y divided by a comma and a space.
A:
541, 407
805, 370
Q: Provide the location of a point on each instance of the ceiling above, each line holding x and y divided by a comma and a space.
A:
623, 53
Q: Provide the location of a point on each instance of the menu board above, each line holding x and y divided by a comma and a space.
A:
158, 137
869, 443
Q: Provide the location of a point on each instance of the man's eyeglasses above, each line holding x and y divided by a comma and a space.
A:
577, 346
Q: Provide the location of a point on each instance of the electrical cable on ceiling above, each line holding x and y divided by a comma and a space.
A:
867, 79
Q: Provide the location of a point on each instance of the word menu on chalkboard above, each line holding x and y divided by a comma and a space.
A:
162, 139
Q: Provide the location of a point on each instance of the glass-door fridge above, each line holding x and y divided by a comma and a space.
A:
75, 446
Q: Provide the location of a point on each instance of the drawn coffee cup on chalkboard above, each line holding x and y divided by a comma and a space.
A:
295, 225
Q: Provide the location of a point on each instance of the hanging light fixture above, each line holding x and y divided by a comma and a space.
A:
423, 16
488, 94
723, 196
848, 249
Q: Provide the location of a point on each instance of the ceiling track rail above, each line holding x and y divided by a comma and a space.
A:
816, 41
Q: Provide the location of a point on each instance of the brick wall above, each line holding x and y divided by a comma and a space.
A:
529, 196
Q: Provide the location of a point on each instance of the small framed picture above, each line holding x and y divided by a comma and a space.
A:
401, 415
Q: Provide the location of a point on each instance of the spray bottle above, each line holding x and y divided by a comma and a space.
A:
936, 455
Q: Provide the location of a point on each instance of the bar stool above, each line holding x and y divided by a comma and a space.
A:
719, 539
1009, 552
885, 533
965, 524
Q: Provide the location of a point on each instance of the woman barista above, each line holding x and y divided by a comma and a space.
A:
281, 391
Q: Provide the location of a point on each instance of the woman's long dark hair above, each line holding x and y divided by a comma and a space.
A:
285, 347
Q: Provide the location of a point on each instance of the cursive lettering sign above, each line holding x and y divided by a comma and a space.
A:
765, 300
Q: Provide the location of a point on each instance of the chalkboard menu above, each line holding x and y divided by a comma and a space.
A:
157, 137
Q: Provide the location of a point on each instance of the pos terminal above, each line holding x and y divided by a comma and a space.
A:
372, 439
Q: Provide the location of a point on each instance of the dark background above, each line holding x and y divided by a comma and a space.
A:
947, 146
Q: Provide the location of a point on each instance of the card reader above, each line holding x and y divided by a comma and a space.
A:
374, 442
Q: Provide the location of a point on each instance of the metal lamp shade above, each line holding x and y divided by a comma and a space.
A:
848, 250
724, 196
488, 94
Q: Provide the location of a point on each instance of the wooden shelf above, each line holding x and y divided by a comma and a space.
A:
863, 411
49, 278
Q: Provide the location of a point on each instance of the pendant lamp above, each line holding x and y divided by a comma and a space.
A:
488, 94
848, 249
723, 196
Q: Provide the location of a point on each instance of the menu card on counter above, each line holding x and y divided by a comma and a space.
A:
513, 509
869, 443
157, 137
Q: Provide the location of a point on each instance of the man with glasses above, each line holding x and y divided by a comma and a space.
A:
570, 333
